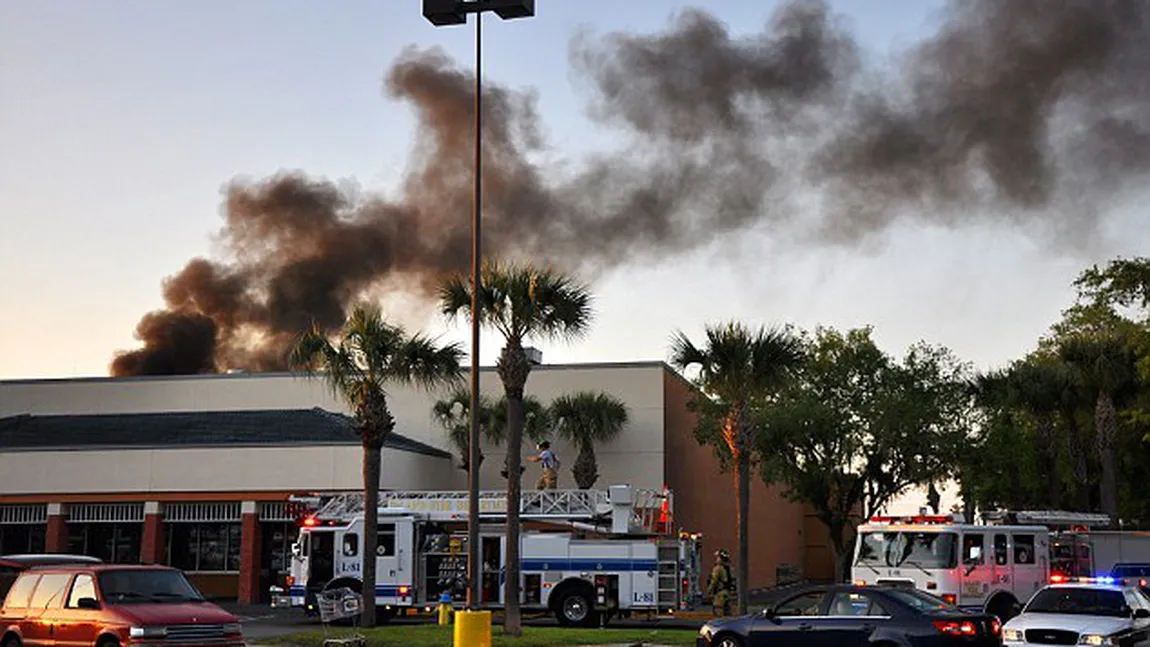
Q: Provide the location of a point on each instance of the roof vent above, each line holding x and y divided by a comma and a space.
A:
534, 355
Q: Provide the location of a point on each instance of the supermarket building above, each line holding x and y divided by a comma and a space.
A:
196, 471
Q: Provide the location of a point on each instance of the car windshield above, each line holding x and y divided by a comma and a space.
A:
135, 586
921, 549
1079, 601
919, 601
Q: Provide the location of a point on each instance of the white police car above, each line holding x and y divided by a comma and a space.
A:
1083, 611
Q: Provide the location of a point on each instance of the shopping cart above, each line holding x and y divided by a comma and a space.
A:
336, 605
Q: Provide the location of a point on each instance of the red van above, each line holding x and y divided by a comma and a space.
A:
103, 605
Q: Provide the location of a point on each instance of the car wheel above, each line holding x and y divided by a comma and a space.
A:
12, 641
727, 640
107, 642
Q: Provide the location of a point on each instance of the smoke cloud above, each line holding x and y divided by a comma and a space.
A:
1026, 111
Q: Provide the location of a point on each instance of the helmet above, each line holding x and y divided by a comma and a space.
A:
722, 554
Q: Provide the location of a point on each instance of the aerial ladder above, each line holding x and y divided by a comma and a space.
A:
617, 510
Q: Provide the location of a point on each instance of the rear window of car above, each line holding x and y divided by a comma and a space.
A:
21, 591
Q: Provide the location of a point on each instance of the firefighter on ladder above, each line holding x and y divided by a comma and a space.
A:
550, 478
722, 585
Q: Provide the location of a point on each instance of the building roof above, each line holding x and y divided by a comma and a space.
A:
190, 429
244, 375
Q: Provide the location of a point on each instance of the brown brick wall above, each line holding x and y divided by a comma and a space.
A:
705, 501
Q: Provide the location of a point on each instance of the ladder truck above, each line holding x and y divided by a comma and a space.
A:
586, 555
1079, 548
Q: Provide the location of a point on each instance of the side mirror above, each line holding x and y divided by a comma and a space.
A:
769, 612
1141, 614
91, 604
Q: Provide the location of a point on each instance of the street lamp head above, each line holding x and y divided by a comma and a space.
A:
442, 13
511, 9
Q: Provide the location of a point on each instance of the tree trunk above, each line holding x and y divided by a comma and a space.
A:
586, 468
1048, 458
372, 459
513, 370
1106, 426
742, 517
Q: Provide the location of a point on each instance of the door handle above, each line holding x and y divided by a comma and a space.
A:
805, 627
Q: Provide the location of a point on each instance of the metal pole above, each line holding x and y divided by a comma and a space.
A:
474, 562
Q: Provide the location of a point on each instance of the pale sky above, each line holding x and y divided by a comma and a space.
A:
121, 119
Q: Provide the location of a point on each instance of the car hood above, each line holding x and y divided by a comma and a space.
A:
1102, 625
184, 613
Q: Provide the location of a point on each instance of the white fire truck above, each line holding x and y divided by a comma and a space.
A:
995, 568
586, 555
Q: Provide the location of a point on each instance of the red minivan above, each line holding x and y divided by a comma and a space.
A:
104, 605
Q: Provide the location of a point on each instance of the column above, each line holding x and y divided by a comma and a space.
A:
250, 554
56, 536
153, 545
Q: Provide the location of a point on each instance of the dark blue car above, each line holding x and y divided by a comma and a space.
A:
855, 616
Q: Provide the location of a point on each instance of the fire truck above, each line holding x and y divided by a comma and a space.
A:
993, 568
1079, 549
586, 555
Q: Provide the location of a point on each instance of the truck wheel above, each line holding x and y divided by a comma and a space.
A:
574, 608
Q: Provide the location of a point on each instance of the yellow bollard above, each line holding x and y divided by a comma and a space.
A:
473, 629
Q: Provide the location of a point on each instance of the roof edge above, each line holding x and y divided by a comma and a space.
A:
654, 363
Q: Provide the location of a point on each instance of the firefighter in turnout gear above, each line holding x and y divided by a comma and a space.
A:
722, 585
550, 478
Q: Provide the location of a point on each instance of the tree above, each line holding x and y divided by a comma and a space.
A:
520, 302
586, 419
855, 428
739, 369
1107, 365
1038, 385
536, 425
453, 413
369, 355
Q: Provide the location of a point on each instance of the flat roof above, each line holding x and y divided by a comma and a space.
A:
266, 427
246, 375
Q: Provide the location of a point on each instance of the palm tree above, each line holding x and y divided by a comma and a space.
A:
1037, 386
520, 302
738, 369
367, 357
536, 425
1106, 364
454, 414
587, 418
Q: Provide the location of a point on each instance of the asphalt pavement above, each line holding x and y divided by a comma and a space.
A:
261, 622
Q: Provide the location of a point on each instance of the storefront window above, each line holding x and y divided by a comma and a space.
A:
22, 538
204, 547
115, 543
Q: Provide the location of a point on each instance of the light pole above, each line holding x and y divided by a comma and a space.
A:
444, 13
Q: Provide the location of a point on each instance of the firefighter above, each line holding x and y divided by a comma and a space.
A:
550, 478
722, 585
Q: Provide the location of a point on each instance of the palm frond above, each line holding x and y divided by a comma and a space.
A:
588, 417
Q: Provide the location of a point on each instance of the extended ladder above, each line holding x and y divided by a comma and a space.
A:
628, 509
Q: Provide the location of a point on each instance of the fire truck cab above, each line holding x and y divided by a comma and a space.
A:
991, 568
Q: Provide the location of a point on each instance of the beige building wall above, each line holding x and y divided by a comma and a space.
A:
636, 458
230, 469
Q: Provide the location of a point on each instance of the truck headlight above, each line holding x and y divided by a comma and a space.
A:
1012, 635
1095, 639
148, 632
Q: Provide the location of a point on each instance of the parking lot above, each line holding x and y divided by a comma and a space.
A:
262, 622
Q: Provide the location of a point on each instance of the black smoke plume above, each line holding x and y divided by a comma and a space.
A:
1026, 111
